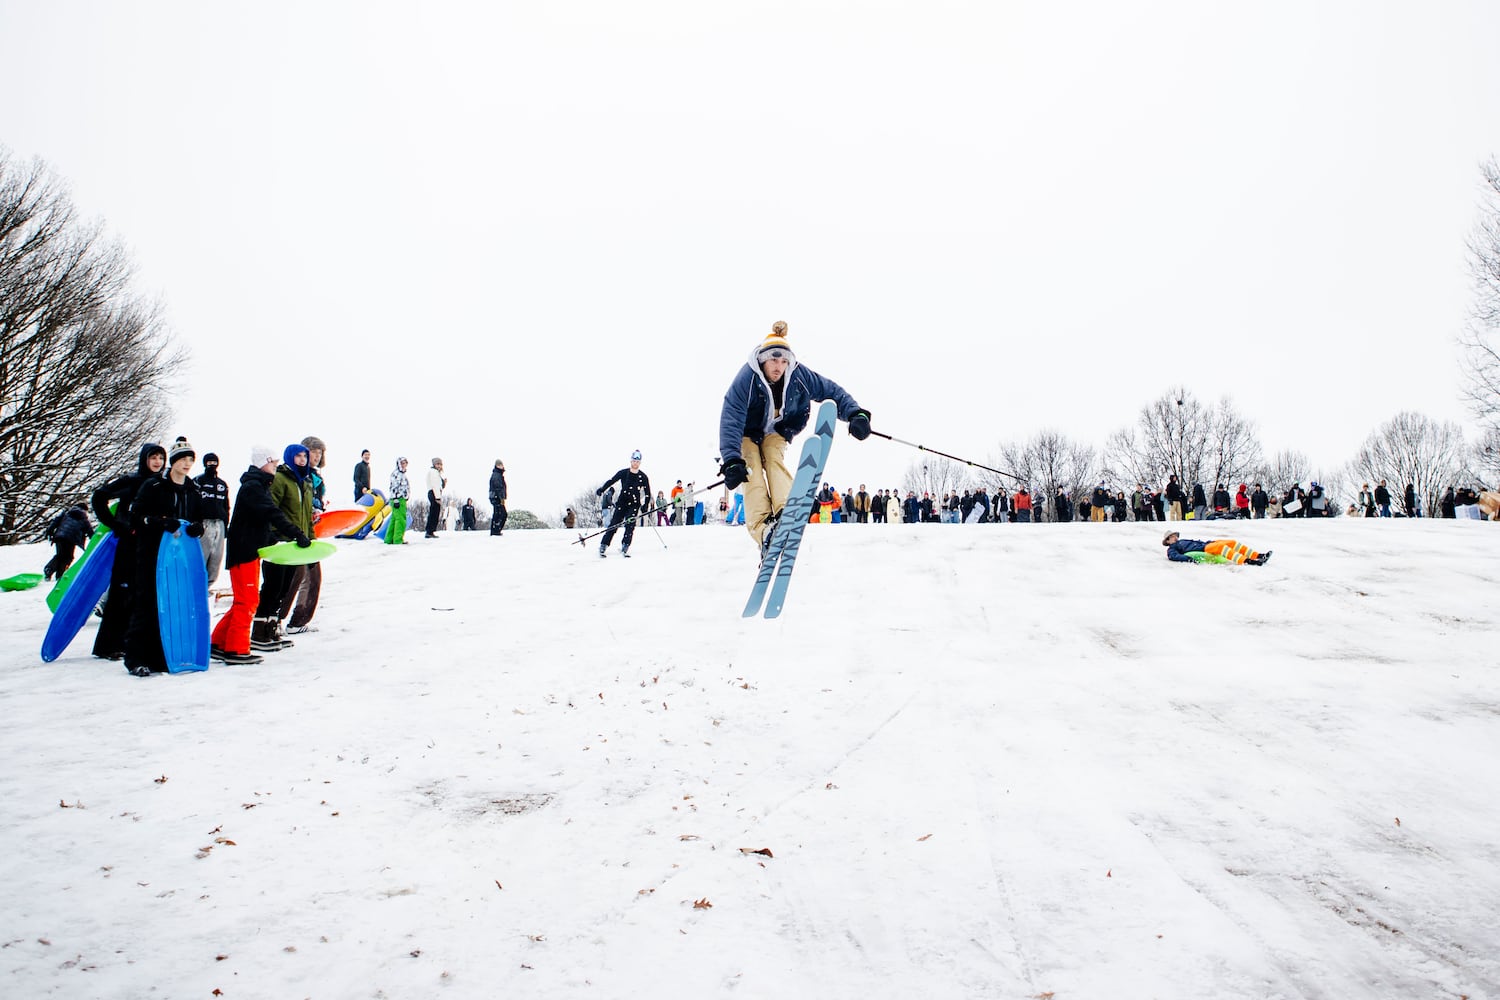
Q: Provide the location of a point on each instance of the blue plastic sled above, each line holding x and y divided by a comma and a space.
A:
182, 602
78, 601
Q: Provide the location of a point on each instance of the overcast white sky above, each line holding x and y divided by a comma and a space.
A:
551, 233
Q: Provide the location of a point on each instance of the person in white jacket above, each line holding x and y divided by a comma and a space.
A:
435, 485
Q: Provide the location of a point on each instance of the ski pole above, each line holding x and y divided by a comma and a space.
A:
652, 512
944, 454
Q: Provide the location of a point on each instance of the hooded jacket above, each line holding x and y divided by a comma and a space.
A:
255, 517
400, 485
292, 491
750, 410
123, 490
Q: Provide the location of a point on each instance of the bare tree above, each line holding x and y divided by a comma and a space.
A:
1233, 449
1048, 462
1177, 434
1481, 340
1285, 469
1126, 463
84, 364
1413, 448
936, 476
1486, 458
588, 509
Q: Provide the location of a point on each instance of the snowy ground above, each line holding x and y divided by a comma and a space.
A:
1008, 761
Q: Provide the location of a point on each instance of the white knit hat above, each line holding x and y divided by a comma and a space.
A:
180, 447
261, 454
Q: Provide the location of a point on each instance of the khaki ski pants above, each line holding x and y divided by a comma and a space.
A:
769, 483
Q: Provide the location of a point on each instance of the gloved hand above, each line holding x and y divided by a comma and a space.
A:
734, 472
195, 529
303, 541
859, 425
599, 492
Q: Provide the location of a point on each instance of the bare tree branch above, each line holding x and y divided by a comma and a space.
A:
84, 365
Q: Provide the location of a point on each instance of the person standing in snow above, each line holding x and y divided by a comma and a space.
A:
400, 485
301, 601
435, 486
109, 641
251, 528
362, 475
1179, 550
498, 495
160, 506
291, 490
635, 491
214, 504
767, 404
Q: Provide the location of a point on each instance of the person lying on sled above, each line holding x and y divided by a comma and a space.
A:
1181, 549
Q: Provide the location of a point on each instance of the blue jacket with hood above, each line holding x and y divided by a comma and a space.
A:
749, 409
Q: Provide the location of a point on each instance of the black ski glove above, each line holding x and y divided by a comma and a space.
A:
859, 425
599, 492
734, 472
303, 541
195, 529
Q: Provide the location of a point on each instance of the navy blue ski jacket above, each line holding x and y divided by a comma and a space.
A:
749, 412
1178, 550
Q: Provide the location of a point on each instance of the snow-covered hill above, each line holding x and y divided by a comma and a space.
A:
980, 761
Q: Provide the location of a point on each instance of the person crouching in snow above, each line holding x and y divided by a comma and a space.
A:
1226, 549
769, 403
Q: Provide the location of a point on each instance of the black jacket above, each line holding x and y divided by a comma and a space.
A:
633, 485
1221, 499
256, 516
122, 490
71, 527
213, 497
161, 505
497, 486
1259, 500
361, 479
1199, 500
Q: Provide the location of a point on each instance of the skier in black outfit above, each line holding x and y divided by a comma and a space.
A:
634, 485
109, 642
497, 498
69, 530
161, 505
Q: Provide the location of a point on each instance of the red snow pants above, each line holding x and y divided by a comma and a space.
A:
232, 634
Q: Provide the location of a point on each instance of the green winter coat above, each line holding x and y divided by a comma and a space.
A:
294, 499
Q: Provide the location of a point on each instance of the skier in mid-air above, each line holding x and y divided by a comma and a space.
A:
769, 403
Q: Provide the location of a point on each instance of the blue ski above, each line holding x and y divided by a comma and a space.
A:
786, 536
